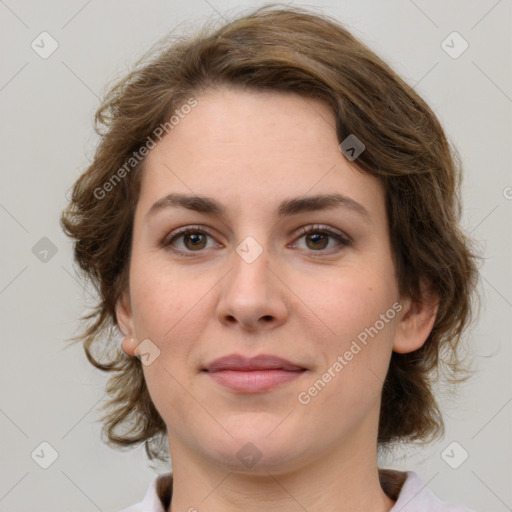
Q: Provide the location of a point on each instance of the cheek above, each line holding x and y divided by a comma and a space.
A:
171, 310
159, 297
352, 300
360, 311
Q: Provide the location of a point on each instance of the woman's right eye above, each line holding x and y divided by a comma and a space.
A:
188, 239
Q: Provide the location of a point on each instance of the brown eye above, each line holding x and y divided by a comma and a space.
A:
194, 241
187, 240
318, 238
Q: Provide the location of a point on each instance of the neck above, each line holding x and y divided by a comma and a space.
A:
326, 484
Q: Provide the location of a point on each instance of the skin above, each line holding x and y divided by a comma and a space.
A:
250, 151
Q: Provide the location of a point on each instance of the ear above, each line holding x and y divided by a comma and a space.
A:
416, 322
124, 318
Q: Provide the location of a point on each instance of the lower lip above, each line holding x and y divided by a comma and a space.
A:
253, 381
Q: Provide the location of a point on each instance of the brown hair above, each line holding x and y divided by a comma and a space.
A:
294, 50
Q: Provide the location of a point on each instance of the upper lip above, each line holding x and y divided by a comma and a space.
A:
260, 362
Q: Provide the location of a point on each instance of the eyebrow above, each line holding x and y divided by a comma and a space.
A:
288, 207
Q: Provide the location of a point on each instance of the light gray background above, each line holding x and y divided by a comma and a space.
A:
51, 394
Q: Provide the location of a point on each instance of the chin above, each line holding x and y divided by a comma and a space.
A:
252, 450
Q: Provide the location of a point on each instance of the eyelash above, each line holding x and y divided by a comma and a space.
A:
343, 240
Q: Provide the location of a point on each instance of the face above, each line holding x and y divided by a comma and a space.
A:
272, 320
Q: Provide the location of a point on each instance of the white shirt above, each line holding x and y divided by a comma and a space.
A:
413, 497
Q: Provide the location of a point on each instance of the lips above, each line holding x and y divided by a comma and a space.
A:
246, 364
252, 374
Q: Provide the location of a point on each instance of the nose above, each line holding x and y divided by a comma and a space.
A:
253, 297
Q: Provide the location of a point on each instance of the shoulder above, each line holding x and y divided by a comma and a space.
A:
414, 496
157, 497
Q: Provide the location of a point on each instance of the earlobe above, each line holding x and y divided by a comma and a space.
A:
416, 323
129, 345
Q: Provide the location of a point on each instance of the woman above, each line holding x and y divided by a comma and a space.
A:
271, 220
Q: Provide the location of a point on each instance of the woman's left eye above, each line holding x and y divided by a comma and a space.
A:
317, 238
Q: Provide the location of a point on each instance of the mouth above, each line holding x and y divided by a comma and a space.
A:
252, 375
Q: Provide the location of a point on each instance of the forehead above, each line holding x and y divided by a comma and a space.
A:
251, 149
